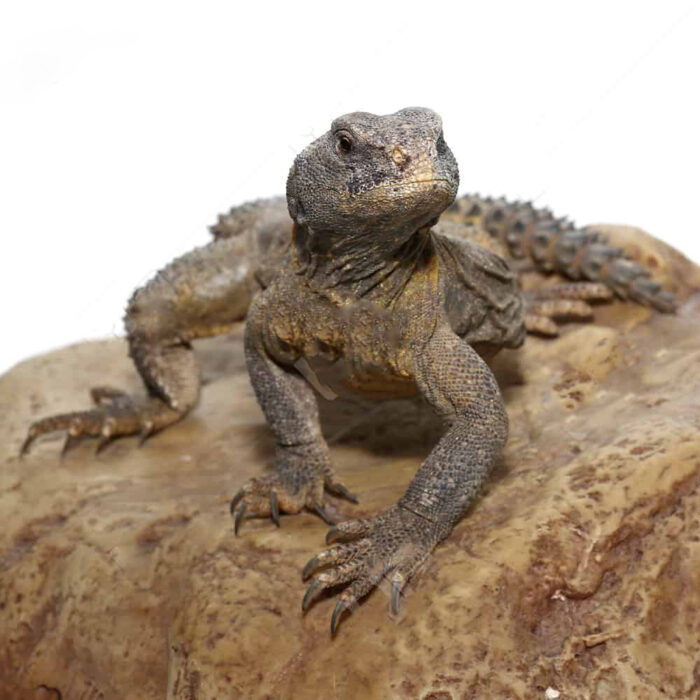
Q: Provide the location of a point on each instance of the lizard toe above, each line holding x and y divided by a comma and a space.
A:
335, 555
116, 414
392, 546
350, 529
271, 495
343, 573
338, 489
349, 599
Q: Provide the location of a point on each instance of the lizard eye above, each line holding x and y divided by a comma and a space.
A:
343, 144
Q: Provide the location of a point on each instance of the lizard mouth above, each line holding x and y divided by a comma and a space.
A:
435, 183
431, 181
420, 192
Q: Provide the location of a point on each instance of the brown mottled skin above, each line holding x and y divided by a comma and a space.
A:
369, 283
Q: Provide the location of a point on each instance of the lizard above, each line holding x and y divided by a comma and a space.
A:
356, 269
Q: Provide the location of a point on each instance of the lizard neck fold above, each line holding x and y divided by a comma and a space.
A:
359, 265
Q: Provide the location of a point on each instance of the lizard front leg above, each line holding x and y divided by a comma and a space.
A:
395, 544
200, 294
302, 468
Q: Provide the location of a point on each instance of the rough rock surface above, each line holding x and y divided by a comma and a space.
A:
579, 569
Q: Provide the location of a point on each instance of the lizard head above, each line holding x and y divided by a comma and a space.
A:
384, 176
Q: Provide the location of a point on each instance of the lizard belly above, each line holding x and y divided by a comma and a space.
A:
340, 377
355, 347
367, 360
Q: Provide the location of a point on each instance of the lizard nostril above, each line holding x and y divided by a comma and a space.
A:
398, 156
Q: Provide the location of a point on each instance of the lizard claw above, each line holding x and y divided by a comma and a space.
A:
239, 517
321, 512
149, 428
26, 444
69, 443
235, 501
312, 564
310, 593
340, 606
333, 534
103, 443
274, 509
339, 489
396, 585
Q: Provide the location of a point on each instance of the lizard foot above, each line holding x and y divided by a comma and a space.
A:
392, 546
548, 306
116, 414
295, 484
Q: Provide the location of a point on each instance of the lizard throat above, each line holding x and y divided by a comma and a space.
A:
359, 265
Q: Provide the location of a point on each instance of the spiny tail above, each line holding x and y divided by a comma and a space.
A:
556, 245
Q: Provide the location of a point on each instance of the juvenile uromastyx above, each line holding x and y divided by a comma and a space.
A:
367, 280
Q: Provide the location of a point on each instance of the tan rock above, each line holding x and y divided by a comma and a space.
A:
577, 573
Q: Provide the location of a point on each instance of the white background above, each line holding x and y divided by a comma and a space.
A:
126, 127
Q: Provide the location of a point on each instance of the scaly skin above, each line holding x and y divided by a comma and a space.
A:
369, 280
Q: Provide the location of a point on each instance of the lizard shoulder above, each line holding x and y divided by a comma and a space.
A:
480, 293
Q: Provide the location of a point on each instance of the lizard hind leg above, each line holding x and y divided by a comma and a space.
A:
549, 306
201, 294
556, 245
171, 375
105, 422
